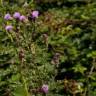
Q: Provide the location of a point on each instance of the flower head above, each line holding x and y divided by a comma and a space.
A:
22, 18
8, 27
16, 15
44, 88
35, 14
7, 17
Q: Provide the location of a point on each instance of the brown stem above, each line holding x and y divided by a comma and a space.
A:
86, 93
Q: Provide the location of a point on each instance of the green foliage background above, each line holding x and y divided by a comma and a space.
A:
63, 49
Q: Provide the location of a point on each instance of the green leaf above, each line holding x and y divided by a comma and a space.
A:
15, 77
79, 68
19, 91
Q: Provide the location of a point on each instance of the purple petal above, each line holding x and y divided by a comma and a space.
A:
45, 88
8, 27
22, 18
16, 15
35, 14
7, 16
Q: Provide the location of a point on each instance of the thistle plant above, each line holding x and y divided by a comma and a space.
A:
14, 35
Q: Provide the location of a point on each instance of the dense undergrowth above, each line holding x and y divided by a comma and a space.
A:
57, 49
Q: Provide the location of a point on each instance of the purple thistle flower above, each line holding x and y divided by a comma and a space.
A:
16, 15
8, 27
7, 17
44, 88
35, 14
22, 18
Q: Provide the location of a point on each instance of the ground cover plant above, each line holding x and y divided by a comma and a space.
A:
47, 48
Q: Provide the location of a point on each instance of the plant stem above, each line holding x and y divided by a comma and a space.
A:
1, 3
25, 85
10, 36
87, 89
22, 75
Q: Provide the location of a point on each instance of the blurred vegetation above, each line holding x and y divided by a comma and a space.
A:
59, 48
